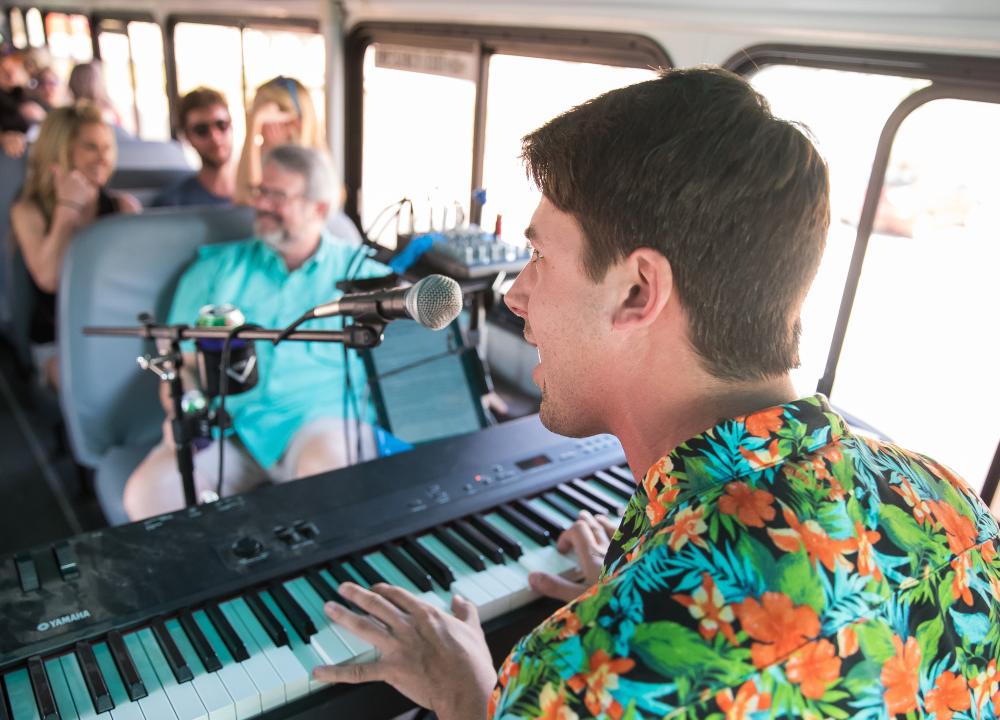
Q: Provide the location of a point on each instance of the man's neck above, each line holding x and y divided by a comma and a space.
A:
297, 252
653, 426
217, 180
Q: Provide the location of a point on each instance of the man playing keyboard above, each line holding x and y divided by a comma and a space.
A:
771, 561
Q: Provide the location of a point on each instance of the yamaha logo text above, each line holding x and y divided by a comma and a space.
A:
64, 620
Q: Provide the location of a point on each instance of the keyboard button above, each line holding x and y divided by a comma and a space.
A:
27, 573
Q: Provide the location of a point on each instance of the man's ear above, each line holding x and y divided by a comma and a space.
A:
646, 282
323, 209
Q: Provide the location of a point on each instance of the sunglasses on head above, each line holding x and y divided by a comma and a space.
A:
204, 128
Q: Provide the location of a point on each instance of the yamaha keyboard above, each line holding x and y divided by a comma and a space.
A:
216, 611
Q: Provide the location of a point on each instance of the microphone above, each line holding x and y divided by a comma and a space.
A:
433, 302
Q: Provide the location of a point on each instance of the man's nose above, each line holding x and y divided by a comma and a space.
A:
517, 297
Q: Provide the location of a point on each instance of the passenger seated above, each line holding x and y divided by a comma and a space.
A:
86, 83
292, 423
14, 79
205, 122
282, 113
64, 190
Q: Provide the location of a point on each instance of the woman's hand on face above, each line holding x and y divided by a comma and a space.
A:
73, 188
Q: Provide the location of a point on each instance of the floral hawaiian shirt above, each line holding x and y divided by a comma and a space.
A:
777, 566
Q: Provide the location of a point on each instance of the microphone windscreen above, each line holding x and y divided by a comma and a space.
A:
434, 301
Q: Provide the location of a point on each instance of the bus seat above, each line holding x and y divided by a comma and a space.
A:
342, 227
11, 178
144, 168
116, 268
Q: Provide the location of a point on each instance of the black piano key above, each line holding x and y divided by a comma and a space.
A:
178, 665
134, 686
508, 544
561, 504
417, 575
611, 507
92, 676
470, 557
229, 637
4, 714
622, 487
487, 547
326, 591
200, 643
622, 471
293, 611
547, 522
44, 699
579, 499
529, 527
437, 569
266, 619
340, 573
370, 574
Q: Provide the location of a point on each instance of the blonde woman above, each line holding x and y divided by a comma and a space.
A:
282, 112
68, 167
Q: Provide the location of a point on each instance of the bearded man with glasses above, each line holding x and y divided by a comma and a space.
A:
204, 120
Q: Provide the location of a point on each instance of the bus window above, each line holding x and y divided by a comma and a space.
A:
69, 41
524, 93
844, 112
211, 56
298, 54
132, 59
18, 31
35, 27
920, 356
417, 139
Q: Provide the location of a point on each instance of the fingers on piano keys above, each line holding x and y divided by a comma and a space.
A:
248, 654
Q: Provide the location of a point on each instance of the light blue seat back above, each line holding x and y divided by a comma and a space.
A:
116, 268
12, 172
145, 168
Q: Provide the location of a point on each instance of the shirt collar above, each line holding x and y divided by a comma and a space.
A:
275, 259
747, 446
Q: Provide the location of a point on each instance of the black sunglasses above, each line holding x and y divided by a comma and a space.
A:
203, 129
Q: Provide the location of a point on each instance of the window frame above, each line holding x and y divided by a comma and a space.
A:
588, 46
952, 77
242, 23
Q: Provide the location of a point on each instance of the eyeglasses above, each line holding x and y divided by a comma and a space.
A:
204, 128
278, 197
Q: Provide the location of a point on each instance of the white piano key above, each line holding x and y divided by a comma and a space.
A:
185, 702
246, 697
78, 688
359, 650
156, 705
267, 681
128, 711
295, 677
487, 605
213, 695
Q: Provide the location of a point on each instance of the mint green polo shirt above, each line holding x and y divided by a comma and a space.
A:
298, 382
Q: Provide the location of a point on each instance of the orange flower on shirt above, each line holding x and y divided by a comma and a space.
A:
760, 459
552, 703
950, 694
985, 686
960, 583
847, 641
747, 701
814, 667
921, 511
688, 525
762, 424
778, 626
866, 539
661, 489
751, 507
599, 681
900, 677
708, 606
811, 536
959, 528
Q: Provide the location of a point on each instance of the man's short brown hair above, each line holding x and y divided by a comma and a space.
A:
197, 99
694, 165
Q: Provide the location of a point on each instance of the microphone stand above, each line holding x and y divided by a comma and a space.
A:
166, 365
